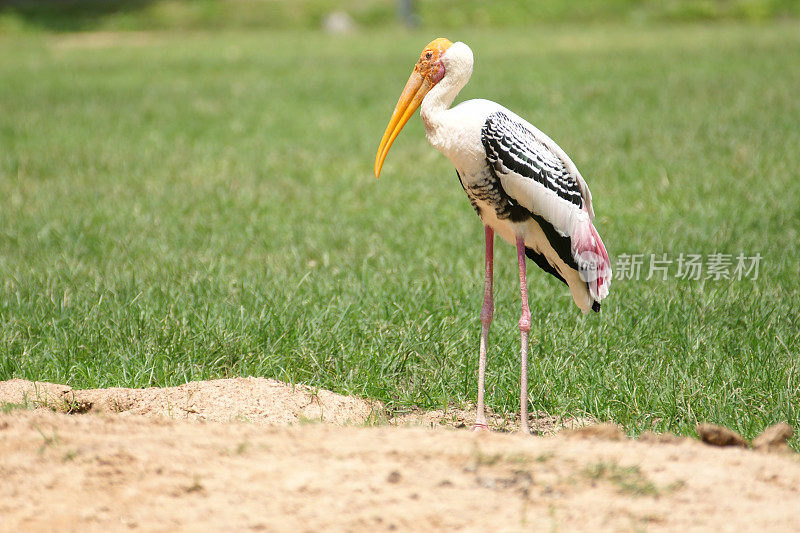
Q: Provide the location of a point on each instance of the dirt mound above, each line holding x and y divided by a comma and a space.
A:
254, 465
266, 402
261, 401
99, 472
540, 423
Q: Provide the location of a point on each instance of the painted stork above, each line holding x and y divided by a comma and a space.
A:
521, 184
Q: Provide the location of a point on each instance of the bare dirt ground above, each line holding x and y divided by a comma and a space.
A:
253, 453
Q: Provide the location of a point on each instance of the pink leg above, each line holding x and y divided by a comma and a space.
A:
524, 328
486, 319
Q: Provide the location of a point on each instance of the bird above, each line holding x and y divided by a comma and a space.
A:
520, 183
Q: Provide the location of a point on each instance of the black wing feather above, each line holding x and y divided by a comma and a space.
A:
511, 147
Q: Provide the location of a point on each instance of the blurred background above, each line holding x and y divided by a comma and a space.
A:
92, 15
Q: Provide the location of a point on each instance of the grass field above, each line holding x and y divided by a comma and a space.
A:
180, 206
126, 15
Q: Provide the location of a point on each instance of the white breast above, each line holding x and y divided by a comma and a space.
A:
456, 133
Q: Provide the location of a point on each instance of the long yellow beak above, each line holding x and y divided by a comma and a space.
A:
415, 90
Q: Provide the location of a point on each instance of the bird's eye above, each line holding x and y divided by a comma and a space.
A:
428, 55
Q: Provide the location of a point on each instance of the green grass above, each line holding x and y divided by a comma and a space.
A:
8, 407
626, 479
115, 15
200, 205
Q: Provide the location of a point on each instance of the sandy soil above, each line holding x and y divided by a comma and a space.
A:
246, 454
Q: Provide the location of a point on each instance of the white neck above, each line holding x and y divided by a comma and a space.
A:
458, 62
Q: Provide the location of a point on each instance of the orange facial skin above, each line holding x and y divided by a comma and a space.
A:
429, 65
428, 71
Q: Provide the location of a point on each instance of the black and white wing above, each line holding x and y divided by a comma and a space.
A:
536, 174
534, 171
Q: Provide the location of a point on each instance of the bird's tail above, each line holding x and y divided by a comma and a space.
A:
592, 258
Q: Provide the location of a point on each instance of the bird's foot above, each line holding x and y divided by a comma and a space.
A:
479, 427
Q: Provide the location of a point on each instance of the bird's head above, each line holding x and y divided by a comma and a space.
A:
428, 71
